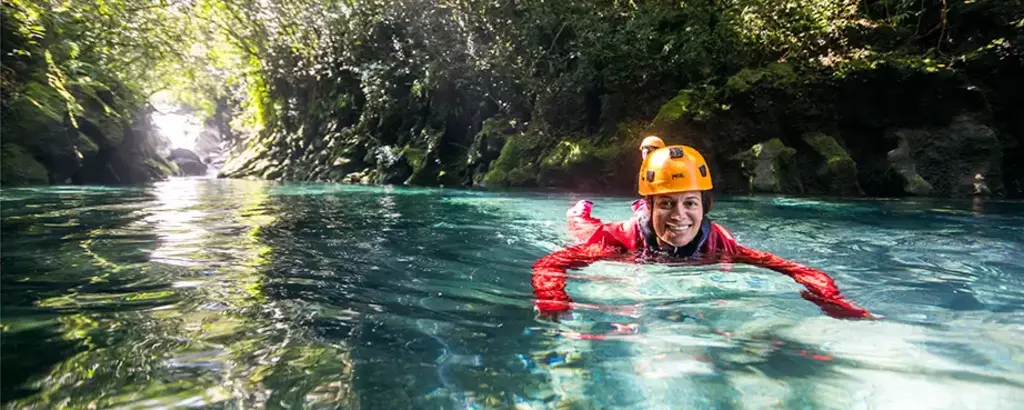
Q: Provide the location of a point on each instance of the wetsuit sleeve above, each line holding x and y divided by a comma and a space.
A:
582, 226
821, 289
549, 273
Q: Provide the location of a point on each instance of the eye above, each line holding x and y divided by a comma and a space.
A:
691, 204
666, 204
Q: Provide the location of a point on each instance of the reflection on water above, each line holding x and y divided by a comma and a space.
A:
246, 294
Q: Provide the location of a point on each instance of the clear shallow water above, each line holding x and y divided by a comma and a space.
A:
242, 294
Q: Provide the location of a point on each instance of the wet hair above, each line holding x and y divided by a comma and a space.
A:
707, 199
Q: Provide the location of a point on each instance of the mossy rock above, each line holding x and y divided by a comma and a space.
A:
86, 146
902, 162
582, 163
106, 131
273, 172
564, 155
837, 169
21, 168
46, 135
396, 172
769, 167
163, 167
516, 165
697, 103
487, 146
773, 75
454, 173
556, 166
417, 158
962, 158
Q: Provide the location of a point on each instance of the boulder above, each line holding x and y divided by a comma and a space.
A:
129, 158
188, 161
516, 165
182, 153
961, 159
769, 167
902, 163
21, 168
191, 168
836, 170
487, 146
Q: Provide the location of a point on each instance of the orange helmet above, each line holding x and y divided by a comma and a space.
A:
652, 142
675, 168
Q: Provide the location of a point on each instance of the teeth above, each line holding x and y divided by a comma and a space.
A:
677, 228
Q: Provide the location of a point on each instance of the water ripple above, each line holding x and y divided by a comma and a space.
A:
213, 293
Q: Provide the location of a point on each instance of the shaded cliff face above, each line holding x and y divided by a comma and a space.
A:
63, 121
92, 149
884, 131
855, 107
819, 97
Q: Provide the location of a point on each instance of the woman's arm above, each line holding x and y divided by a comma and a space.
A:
821, 289
549, 273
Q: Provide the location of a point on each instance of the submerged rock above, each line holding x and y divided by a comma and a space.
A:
770, 168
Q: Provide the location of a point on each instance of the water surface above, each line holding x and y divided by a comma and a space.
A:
243, 294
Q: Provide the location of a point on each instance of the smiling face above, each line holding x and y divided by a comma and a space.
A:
676, 217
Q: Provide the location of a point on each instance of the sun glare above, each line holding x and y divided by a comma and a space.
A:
181, 130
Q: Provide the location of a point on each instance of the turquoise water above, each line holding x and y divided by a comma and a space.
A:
248, 294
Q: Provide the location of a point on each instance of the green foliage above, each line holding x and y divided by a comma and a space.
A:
793, 30
304, 74
779, 75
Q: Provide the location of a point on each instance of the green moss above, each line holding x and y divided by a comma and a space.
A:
515, 165
417, 158
698, 103
918, 186
769, 167
110, 127
775, 144
744, 79
18, 167
87, 146
583, 160
827, 147
563, 155
45, 99
675, 108
839, 169
774, 74
162, 167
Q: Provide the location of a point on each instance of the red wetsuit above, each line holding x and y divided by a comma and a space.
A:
627, 241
